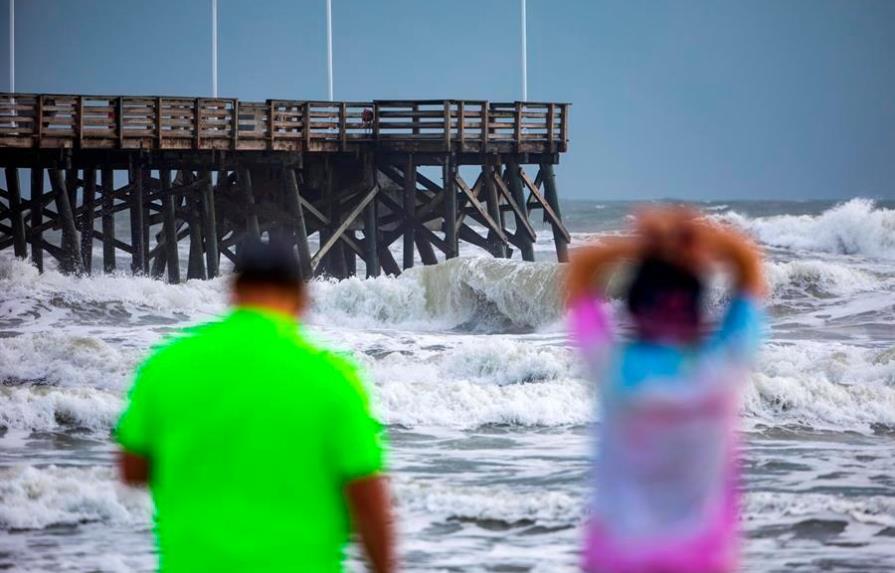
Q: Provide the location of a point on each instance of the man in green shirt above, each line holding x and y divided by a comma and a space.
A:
259, 448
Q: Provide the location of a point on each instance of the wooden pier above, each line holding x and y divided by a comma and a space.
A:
213, 171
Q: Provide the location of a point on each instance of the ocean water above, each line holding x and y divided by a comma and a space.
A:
485, 402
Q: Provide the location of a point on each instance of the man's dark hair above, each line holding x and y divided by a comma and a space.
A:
656, 280
272, 264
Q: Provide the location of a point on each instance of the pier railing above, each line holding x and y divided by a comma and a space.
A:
137, 122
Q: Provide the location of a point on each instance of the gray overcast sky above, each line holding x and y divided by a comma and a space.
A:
705, 99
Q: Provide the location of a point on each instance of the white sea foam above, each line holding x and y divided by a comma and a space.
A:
776, 508
499, 503
857, 227
479, 290
413, 401
57, 357
43, 408
823, 385
813, 277
36, 497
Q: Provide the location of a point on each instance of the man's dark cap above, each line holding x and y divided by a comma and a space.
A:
273, 263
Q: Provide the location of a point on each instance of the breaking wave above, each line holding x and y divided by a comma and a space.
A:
37, 497
856, 227
478, 293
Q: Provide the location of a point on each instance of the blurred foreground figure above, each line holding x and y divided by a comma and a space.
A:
259, 448
665, 497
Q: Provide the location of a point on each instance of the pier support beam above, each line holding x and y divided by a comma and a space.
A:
409, 210
196, 263
559, 239
19, 242
209, 220
169, 227
498, 247
135, 203
371, 239
87, 218
37, 202
70, 257
449, 227
108, 220
299, 227
253, 230
524, 231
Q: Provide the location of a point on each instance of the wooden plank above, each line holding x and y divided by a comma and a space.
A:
548, 209
358, 208
480, 209
521, 216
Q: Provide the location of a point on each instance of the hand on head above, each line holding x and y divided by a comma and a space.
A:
678, 235
673, 234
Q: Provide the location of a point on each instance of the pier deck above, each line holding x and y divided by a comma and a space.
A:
215, 170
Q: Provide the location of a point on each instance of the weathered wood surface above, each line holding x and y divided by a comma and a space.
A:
48, 121
376, 184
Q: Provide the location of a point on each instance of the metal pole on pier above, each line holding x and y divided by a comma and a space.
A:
12, 46
524, 53
214, 48
329, 50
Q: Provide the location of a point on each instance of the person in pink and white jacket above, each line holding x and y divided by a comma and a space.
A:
665, 487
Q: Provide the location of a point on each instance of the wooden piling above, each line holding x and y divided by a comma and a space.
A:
299, 228
70, 260
135, 204
498, 247
37, 202
329, 185
371, 239
253, 230
196, 263
449, 174
562, 251
409, 210
17, 222
523, 229
169, 227
108, 220
209, 219
86, 218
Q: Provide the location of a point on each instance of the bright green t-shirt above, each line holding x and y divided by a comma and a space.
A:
252, 434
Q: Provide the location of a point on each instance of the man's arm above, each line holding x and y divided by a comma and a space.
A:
134, 469
370, 505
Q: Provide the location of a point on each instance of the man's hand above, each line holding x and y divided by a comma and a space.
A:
134, 469
370, 505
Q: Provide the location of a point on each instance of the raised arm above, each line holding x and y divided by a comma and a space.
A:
741, 255
593, 263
